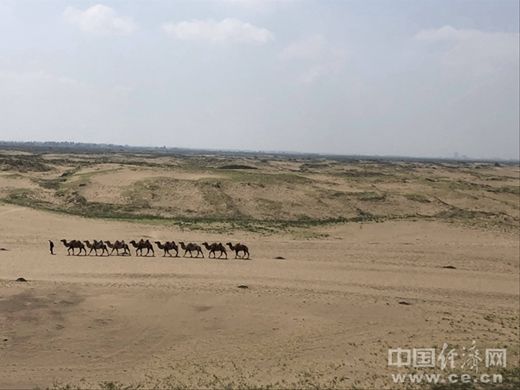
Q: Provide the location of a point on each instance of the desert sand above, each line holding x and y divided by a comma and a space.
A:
324, 316
330, 309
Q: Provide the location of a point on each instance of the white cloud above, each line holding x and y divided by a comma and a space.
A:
99, 19
317, 56
226, 31
474, 51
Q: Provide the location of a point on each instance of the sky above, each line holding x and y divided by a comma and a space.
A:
408, 78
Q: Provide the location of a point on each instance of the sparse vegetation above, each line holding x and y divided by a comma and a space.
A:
417, 198
288, 194
237, 166
23, 163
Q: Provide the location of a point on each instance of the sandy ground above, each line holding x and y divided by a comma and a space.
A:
327, 314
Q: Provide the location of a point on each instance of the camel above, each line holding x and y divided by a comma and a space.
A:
142, 244
71, 245
91, 247
101, 245
117, 245
215, 247
239, 248
167, 247
191, 247
95, 246
126, 248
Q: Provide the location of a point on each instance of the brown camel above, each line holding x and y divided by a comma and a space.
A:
215, 247
191, 247
142, 244
125, 247
117, 245
71, 245
91, 247
97, 245
101, 245
167, 247
239, 248
175, 247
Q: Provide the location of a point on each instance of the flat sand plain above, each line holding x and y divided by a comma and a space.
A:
325, 315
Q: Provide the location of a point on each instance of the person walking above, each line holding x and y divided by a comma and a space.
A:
51, 247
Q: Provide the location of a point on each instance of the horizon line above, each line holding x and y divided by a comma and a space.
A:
461, 158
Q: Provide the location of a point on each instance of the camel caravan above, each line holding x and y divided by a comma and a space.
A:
146, 248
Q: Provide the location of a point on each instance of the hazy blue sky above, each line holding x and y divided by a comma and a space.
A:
418, 78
